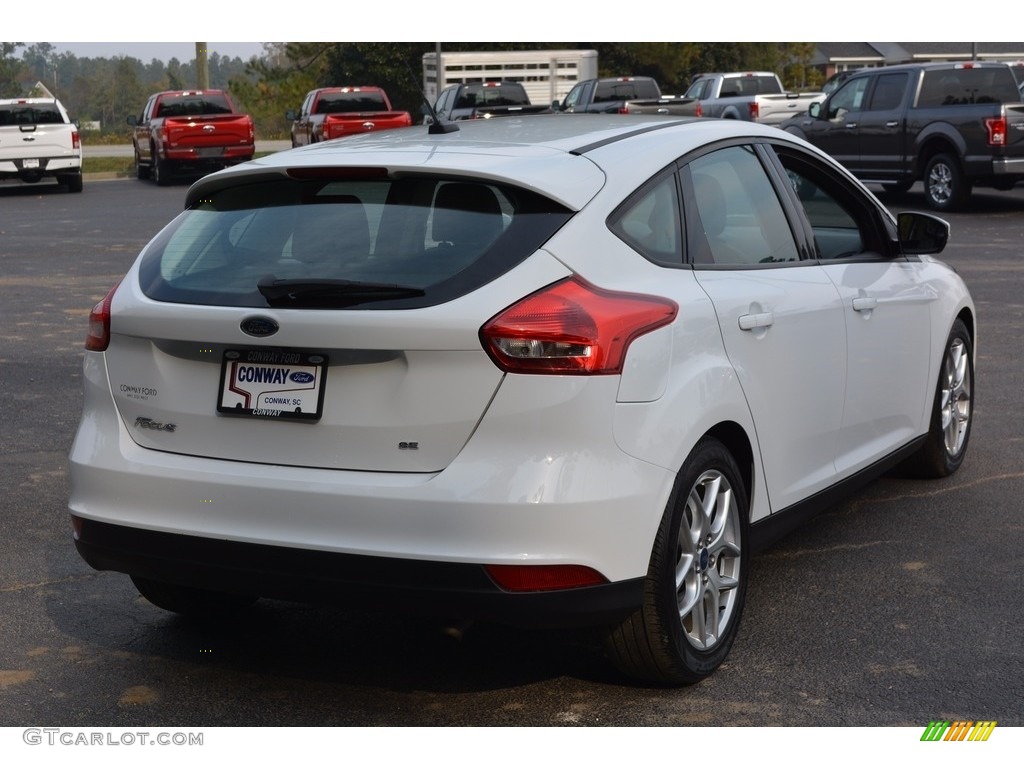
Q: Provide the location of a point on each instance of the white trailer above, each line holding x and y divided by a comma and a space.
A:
546, 75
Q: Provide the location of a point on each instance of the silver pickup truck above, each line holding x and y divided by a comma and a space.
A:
37, 141
755, 96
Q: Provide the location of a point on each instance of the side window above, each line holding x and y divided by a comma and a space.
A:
573, 98
733, 215
888, 93
649, 221
849, 98
841, 222
698, 90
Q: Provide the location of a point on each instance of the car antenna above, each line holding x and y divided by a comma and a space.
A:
436, 126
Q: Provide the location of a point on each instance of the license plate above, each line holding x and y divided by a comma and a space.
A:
272, 384
30, 163
210, 151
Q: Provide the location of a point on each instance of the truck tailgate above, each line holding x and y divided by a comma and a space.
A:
202, 131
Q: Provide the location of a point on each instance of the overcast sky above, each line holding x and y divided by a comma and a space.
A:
146, 52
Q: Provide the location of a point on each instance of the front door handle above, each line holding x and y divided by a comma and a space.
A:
864, 303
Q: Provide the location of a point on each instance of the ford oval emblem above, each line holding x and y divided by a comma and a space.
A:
301, 377
259, 326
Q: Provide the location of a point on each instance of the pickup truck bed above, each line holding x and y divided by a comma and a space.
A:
39, 141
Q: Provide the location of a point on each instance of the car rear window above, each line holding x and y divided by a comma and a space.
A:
504, 95
977, 85
193, 104
29, 114
624, 90
353, 242
334, 103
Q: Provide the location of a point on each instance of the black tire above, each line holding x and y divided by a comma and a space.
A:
945, 187
73, 181
190, 601
952, 411
161, 171
703, 534
141, 171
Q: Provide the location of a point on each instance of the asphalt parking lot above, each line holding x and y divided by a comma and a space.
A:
900, 606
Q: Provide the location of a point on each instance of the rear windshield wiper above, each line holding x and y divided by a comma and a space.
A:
330, 294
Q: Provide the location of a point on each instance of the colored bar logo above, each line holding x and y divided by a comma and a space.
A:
959, 730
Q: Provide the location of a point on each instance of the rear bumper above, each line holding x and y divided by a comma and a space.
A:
209, 155
1007, 166
47, 166
451, 590
536, 490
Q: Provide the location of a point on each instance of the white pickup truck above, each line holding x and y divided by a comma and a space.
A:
37, 141
756, 96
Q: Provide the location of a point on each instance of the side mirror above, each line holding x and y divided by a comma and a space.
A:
132, 120
921, 233
815, 109
290, 115
555, 105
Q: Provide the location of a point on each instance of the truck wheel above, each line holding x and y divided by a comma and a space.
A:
161, 172
945, 187
73, 181
141, 171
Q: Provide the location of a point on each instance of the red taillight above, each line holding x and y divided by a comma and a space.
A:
98, 338
541, 578
572, 327
75, 141
996, 131
755, 110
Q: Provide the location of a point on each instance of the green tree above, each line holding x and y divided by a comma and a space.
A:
10, 70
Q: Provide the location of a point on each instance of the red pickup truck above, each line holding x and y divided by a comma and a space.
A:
190, 131
330, 113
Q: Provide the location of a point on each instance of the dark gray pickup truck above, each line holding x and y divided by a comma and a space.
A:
952, 126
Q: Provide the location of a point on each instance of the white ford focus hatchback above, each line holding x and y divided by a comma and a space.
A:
549, 370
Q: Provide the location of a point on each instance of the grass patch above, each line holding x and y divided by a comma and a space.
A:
121, 166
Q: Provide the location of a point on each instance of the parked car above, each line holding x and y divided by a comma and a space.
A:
332, 113
628, 95
756, 96
192, 132
475, 101
39, 141
543, 371
952, 126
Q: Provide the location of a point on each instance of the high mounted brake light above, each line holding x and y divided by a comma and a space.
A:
572, 327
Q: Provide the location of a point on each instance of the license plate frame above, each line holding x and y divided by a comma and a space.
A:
275, 384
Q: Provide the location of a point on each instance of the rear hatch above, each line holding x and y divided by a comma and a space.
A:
325, 322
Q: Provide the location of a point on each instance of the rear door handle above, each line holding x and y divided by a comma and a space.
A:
865, 303
760, 320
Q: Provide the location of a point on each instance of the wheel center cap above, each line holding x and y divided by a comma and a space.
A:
704, 558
